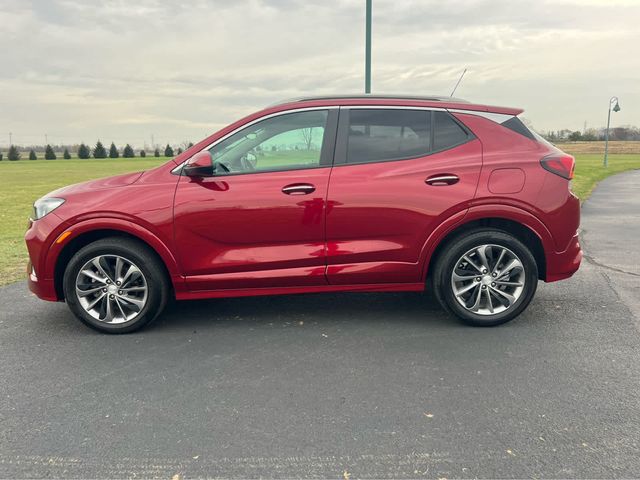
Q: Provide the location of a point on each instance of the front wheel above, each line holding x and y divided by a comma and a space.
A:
115, 285
486, 277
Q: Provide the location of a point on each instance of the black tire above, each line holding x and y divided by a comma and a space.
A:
138, 253
448, 260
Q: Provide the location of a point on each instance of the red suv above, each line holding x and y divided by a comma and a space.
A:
353, 193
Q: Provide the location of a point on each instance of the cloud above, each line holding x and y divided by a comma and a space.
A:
179, 70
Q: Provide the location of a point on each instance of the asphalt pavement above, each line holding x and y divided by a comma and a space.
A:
341, 385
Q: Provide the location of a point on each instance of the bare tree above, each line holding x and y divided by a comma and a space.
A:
307, 136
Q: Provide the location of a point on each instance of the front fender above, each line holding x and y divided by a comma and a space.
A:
82, 227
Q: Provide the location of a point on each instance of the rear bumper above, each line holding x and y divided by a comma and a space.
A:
561, 265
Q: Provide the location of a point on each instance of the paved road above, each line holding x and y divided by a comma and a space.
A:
374, 385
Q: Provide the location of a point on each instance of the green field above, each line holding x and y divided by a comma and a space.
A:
26, 180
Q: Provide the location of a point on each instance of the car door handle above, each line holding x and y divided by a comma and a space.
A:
443, 179
299, 189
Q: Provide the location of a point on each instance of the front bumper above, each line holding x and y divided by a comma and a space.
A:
39, 237
44, 289
561, 265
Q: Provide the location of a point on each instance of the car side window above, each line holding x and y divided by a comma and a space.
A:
284, 142
447, 133
377, 135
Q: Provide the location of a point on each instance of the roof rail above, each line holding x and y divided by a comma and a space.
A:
358, 96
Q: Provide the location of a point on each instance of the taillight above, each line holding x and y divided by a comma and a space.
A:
562, 165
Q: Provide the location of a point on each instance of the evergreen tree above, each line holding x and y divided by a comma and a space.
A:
143, 153
190, 145
13, 154
168, 151
156, 153
179, 151
99, 151
49, 154
83, 151
66, 155
128, 152
113, 151
32, 155
0, 156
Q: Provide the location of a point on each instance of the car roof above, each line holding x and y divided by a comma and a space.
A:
425, 98
434, 101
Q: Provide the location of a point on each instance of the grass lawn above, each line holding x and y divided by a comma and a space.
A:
26, 180
589, 170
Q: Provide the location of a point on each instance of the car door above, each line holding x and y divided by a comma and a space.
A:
260, 220
398, 173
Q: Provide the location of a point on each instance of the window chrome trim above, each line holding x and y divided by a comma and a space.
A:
340, 155
498, 118
178, 169
391, 107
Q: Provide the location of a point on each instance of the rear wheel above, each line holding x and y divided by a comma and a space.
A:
486, 277
115, 285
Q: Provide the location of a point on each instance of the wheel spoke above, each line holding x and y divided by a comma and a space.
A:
500, 257
489, 302
118, 269
510, 298
482, 255
465, 289
95, 301
509, 284
134, 289
124, 315
96, 263
506, 271
472, 263
94, 276
108, 316
476, 304
84, 293
129, 275
133, 301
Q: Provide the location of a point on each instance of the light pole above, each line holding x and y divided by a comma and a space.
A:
616, 108
367, 50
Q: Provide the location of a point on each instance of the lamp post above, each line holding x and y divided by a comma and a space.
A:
367, 50
616, 108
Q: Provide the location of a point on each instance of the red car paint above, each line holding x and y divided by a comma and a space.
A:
365, 227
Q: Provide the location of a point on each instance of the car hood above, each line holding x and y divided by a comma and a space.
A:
99, 184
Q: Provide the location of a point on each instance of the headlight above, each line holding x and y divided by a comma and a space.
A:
45, 205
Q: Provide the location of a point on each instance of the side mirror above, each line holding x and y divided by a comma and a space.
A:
200, 165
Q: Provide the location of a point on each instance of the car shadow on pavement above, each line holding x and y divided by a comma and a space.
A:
353, 308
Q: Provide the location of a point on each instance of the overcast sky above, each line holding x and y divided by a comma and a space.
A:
124, 70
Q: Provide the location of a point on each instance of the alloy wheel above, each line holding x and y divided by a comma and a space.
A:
112, 289
488, 279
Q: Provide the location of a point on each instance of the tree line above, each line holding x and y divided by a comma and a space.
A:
98, 151
623, 133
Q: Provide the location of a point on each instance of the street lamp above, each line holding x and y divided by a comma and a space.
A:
616, 108
367, 49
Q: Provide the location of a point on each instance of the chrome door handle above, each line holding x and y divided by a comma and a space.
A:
299, 189
442, 180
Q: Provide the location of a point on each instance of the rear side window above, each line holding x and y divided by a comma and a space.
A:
516, 125
447, 133
377, 135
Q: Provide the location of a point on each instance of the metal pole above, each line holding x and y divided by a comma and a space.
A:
367, 55
606, 137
